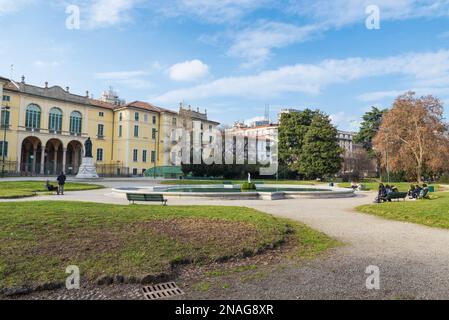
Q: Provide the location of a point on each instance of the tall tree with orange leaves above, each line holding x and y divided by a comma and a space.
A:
414, 135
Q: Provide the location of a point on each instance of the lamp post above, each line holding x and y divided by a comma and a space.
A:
5, 108
386, 157
155, 154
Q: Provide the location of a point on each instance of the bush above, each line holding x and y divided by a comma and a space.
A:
444, 179
399, 176
248, 186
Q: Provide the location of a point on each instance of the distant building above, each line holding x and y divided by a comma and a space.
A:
263, 137
111, 97
356, 159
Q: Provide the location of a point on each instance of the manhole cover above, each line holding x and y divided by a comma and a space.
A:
161, 291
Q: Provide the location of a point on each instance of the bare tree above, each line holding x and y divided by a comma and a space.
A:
414, 136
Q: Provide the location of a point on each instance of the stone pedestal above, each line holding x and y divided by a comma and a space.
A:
87, 169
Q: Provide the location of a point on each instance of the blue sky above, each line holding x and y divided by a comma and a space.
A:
234, 57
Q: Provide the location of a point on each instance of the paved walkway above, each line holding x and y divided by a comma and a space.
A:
413, 259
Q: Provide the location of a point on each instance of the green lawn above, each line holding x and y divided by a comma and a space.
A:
183, 182
433, 213
402, 186
18, 189
38, 240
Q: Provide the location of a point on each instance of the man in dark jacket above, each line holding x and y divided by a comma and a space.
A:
61, 182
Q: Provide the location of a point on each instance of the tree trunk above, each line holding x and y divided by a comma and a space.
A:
418, 173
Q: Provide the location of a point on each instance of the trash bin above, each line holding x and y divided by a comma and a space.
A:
331, 184
431, 189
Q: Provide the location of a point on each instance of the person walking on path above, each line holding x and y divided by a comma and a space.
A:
61, 182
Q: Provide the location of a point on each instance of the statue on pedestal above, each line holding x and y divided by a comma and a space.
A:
87, 169
88, 148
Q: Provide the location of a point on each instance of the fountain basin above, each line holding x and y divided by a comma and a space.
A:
233, 192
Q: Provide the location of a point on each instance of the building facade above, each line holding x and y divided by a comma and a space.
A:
44, 130
262, 134
355, 158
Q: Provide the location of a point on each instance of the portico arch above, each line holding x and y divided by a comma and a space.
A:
31, 154
54, 156
74, 156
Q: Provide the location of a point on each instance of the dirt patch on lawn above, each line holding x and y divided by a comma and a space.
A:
200, 232
66, 243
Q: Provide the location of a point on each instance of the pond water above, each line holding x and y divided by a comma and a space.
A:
259, 189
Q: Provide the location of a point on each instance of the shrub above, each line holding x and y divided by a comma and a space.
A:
248, 186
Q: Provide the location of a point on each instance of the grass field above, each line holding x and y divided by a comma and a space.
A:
432, 213
184, 182
18, 189
38, 240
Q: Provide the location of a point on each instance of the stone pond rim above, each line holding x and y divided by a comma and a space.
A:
233, 192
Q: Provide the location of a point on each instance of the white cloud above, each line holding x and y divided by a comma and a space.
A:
344, 121
134, 79
252, 120
46, 64
255, 43
106, 13
119, 75
379, 95
215, 11
9, 6
338, 13
444, 35
188, 70
311, 78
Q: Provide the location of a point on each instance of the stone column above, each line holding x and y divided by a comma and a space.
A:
64, 159
43, 160
75, 159
19, 156
27, 156
33, 170
55, 164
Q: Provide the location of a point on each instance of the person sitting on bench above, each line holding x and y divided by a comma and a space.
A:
423, 194
381, 193
411, 191
416, 192
49, 186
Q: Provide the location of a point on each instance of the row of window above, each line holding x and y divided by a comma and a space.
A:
33, 119
137, 117
144, 156
136, 132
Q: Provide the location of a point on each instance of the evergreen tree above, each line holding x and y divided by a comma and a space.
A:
320, 154
292, 130
368, 130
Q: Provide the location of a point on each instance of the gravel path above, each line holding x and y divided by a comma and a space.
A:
413, 259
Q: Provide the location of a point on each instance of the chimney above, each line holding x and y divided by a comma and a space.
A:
46, 84
198, 109
67, 89
87, 93
23, 79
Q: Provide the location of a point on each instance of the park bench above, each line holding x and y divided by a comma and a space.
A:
145, 197
395, 196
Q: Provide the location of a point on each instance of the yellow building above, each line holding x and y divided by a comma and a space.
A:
44, 130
